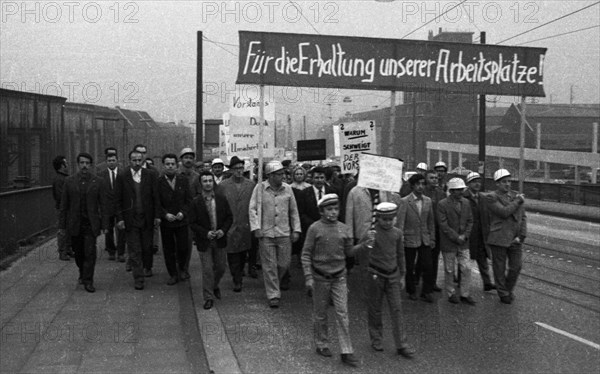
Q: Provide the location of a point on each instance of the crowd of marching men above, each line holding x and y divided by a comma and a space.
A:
393, 240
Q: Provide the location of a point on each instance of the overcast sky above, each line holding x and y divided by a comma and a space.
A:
142, 54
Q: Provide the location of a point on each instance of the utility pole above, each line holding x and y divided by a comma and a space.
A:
392, 123
199, 120
571, 95
304, 127
414, 130
482, 139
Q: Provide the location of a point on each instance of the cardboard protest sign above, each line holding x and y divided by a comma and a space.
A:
249, 106
380, 172
281, 59
243, 137
355, 138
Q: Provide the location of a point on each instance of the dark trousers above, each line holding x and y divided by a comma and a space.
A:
425, 265
175, 248
84, 247
253, 253
109, 238
139, 246
389, 288
506, 281
236, 266
435, 260
484, 267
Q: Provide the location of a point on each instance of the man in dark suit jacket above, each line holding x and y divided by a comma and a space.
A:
175, 199
455, 224
508, 229
109, 175
479, 251
307, 202
138, 212
62, 172
210, 219
83, 215
415, 219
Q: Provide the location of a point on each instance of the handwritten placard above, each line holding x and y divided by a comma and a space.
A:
355, 138
380, 172
242, 137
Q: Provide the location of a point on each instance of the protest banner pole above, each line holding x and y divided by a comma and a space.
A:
199, 121
392, 123
522, 146
261, 121
482, 140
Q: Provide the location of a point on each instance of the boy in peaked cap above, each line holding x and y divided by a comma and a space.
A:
327, 244
386, 269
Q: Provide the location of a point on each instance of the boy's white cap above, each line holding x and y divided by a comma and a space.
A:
328, 199
386, 209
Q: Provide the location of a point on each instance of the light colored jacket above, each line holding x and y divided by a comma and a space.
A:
418, 229
359, 210
278, 214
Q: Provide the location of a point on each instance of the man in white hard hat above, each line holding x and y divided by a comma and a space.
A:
456, 221
218, 166
442, 169
477, 248
422, 168
508, 229
276, 223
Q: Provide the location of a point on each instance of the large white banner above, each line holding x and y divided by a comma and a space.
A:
380, 173
355, 138
242, 137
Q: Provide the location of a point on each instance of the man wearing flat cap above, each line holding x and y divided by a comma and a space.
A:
238, 191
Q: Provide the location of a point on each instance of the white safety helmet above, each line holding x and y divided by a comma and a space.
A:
441, 164
273, 166
472, 176
187, 151
422, 166
456, 184
501, 173
217, 161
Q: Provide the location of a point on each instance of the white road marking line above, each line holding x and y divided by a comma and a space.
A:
569, 335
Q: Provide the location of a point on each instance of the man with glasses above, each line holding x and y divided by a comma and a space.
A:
276, 223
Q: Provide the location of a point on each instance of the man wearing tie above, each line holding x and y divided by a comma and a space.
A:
110, 174
138, 212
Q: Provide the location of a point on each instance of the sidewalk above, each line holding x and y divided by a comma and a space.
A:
50, 324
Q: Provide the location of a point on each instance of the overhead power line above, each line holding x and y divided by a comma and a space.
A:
561, 34
427, 23
303, 16
549, 22
218, 44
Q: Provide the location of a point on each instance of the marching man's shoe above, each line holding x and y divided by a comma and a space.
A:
208, 304
325, 352
406, 352
349, 359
